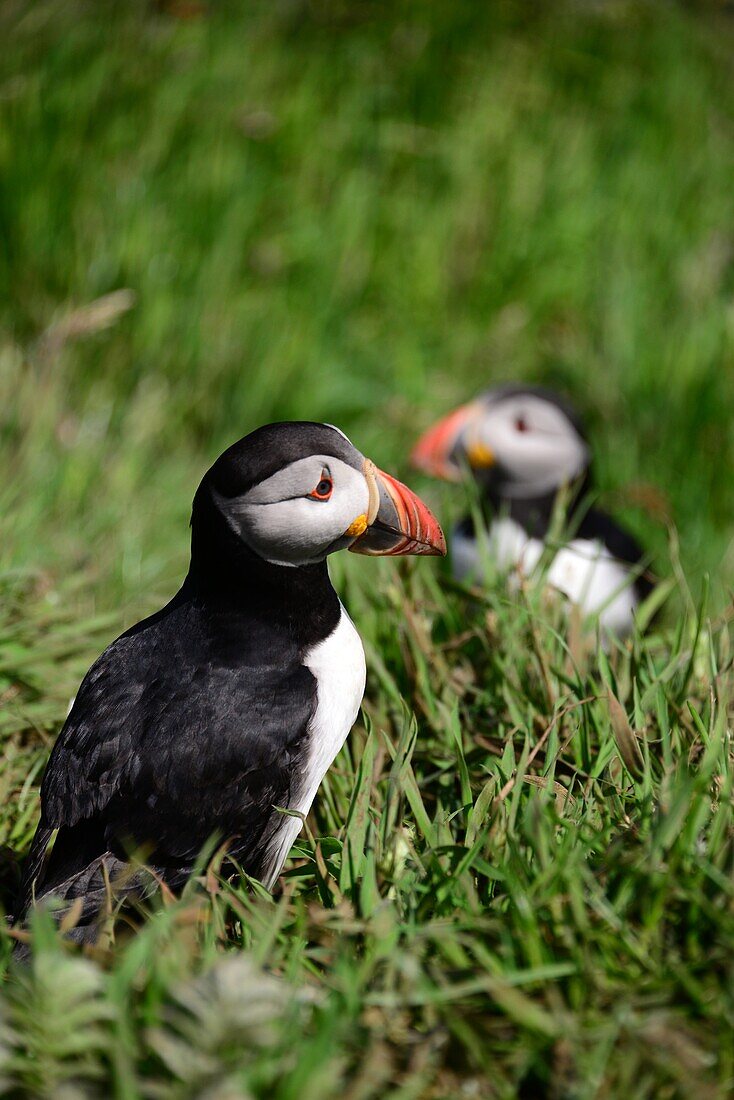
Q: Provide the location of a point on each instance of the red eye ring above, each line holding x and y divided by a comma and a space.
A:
521, 424
324, 489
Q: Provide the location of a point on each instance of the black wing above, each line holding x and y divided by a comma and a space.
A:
174, 738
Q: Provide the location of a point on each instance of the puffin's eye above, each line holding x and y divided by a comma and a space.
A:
324, 488
521, 424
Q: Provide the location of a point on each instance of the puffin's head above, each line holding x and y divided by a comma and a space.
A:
297, 491
521, 441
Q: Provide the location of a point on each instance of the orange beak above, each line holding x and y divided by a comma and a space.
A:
432, 452
398, 522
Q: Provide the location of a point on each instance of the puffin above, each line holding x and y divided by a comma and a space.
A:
522, 445
218, 716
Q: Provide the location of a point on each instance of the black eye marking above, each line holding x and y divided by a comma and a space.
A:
521, 424
324, 489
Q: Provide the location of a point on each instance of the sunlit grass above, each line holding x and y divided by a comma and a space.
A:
524, 875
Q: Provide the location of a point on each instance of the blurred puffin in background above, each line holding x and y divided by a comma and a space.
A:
523, 445
228, 706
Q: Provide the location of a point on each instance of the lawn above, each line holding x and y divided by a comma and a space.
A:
517, 879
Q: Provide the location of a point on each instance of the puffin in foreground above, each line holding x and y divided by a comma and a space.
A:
522, 445
228, 706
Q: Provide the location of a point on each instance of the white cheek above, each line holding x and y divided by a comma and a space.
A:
276, 531
523, 454
347, 503
300, 530
541, 459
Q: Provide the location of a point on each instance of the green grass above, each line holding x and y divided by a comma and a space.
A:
517, 878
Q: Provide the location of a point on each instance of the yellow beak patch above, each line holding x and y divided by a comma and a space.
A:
358, 527
480, 456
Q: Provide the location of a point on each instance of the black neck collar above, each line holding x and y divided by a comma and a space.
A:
228, 578
534, 514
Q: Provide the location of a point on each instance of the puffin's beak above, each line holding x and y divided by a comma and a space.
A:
432, 452
398, 522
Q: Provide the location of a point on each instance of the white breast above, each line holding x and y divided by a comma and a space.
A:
339, 667
589, 576
506, 547
583, 570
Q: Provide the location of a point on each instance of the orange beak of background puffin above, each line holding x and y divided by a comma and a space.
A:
432, 453
398, 521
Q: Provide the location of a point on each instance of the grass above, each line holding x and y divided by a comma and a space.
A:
517, 879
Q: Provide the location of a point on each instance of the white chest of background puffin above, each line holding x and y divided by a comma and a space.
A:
235, 698
523, 445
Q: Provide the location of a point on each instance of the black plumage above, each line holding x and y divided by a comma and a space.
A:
535, 516
208, 719
523, 446
192, 724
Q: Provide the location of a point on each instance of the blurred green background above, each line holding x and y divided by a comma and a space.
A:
362, 213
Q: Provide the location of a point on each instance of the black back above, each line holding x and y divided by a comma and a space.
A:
535, 514
193, 724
